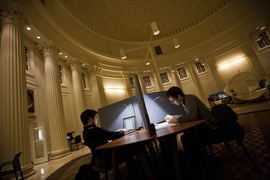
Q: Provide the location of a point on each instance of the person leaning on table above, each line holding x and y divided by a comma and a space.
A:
194, 109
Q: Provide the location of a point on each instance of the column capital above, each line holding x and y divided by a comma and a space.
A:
138, 72
74, 64
125, 74
95, 69
11, 13
49, 48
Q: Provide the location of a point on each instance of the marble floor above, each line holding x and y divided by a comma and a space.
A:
45, 169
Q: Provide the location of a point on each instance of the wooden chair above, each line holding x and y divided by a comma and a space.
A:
16, 167
224, 130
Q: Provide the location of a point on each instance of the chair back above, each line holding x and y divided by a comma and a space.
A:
227, 122
78, 139
16, 162
223, 113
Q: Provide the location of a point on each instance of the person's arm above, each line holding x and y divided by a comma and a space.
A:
191, 113
111, 135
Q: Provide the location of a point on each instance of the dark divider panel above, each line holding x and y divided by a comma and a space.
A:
157, 105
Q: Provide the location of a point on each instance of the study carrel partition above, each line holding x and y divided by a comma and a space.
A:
156, 106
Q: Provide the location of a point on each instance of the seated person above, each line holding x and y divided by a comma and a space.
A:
95, 136
194, 109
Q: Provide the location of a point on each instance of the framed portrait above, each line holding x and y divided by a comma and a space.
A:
31, 102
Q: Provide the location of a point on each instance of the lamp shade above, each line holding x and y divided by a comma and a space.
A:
123, 54
154, 28
176, 43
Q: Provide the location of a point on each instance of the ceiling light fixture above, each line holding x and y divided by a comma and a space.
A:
38, 37
176, 43
123, 54
28, 28
154, 28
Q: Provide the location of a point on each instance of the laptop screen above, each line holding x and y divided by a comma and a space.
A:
129, 122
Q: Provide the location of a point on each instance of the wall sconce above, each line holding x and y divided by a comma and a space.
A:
176, 43
123, 54
154, 28
232, 61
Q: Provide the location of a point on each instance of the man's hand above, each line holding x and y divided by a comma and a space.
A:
170, 119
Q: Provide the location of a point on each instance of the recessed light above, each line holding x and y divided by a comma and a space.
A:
28, 28
38, 37
65, 56
60, 53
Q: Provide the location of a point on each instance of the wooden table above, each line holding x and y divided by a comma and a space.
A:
142, 136
171, 132
134, 139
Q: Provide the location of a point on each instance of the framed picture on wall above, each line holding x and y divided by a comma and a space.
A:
261, 39
31, 102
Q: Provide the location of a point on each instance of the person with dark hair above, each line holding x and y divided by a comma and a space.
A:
96, 136
194, 109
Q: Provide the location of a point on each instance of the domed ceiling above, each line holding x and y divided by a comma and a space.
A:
129, 20
94, 31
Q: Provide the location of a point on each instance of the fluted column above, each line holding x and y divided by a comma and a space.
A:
141, 82
175, 77
197, 82
156, 80
56, 119
98, 72
125, 75
79, 94
14, 128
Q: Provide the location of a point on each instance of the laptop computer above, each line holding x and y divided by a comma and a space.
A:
130, 124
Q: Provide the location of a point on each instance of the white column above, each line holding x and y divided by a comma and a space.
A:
141, 82
79, 94
197, 83
125, 75
176, 77
57, 126
156, 80
14, 129
98, 73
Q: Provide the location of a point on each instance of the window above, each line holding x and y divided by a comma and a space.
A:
131, 82
164, 78
182, 73
26, 58
83, 81
60, 74
147, 81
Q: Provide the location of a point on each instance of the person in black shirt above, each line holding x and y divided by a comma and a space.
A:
95, 136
